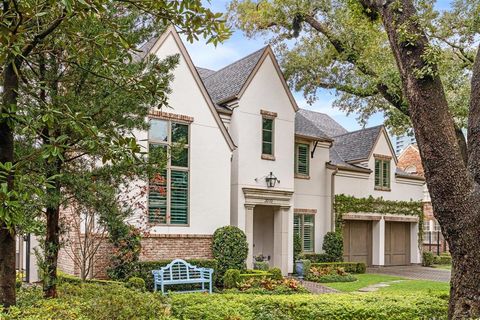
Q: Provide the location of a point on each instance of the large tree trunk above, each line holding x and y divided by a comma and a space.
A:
454, 192
7, 237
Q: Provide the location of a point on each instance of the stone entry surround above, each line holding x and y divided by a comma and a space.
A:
280, 200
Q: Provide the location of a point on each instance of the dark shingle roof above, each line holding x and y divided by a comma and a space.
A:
316, 124
145, 48
356, 145
204, 72
227, 82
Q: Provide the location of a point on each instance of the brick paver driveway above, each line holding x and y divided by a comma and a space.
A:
414, 272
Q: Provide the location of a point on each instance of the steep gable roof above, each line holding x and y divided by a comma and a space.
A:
317, 125
357, 145
204, 72
195, 73
226, 83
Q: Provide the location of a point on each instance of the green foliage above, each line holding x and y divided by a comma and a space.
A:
143, 269
127, 245
344, 204
333, 245
427, 259
231, 278
331, 278
350, 267
88, 301
276, 273
136, 283
268, 286
67, 278
443, 259
254, 274
230, 249
261, 265
309, 307
316, 257
297, 246
307, 264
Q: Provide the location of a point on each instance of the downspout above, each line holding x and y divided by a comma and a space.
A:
332, 199
27, 259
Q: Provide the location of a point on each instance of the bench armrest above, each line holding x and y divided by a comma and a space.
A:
206, 273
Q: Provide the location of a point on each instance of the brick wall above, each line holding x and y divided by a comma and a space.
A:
411, 157
154, 247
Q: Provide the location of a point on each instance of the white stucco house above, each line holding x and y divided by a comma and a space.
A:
253, 159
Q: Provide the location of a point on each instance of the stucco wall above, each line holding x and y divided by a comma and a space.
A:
209, 158
363, 185
314, 193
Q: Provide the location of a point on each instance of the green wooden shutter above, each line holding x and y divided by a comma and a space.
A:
157, 199
377, 173
308, 233
302, 159
179, 197
386, 174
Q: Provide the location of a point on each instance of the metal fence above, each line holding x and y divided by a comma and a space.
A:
434, 241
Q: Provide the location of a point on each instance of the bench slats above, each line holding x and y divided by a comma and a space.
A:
181, 272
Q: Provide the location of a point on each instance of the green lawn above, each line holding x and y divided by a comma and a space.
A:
406, 285
363, 281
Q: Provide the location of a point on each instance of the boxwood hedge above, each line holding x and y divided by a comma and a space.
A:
306, 307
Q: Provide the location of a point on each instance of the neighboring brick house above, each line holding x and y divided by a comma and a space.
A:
409, 160
254, 160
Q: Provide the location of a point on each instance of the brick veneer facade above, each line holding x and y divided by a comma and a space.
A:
154, 247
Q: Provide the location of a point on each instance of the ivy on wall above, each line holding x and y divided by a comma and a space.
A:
348, 204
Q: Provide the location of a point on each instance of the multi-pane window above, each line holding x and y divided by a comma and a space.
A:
303, 224
267, 136
168, 190
382, 174
302, 159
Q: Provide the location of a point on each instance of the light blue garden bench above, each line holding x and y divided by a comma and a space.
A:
181, 272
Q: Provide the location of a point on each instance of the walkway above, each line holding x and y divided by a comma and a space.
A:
316, 288
413, 272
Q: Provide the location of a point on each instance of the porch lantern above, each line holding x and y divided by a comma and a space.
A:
271, 180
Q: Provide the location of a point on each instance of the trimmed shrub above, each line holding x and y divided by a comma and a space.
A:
67, 278
428, 258
261, 265
332, 278
444, 258
307, 264
276, 273
254, 274
230, 249
374, 306
350, 267
91, 301
231, 278
136, 283
144, 269
316, 257
333, 245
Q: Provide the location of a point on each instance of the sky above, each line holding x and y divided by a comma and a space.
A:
238, 46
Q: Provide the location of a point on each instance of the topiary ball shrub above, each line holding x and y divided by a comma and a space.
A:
231, 279
276, 274
136, 283
230, 249
333, 245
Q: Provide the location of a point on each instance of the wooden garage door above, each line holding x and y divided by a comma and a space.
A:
397, 243
357, 241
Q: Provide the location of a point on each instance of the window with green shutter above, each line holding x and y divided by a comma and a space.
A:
304, 224
302, 159
267, 136
168, 197
382, 174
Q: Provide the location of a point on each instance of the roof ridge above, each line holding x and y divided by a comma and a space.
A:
363, 129
236, 61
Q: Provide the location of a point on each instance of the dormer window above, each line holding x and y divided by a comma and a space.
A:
382, 173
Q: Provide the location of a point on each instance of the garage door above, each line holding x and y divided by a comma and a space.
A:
397, 243
357, 241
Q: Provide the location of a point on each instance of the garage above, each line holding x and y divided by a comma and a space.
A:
397, 243
357, 241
